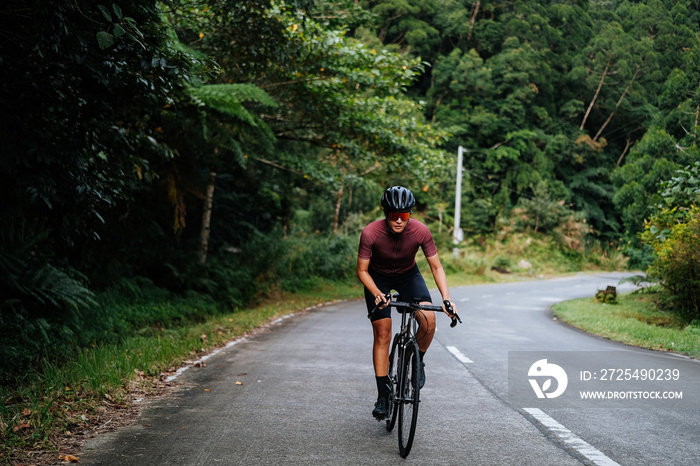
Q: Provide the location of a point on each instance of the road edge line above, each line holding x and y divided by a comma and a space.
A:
228, 345
458, 354
570, 439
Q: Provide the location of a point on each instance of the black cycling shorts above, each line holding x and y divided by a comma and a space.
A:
409, 285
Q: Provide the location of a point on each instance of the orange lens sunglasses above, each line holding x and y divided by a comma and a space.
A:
394, 216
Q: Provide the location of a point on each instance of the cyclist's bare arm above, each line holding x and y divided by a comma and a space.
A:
368, 282
441, 282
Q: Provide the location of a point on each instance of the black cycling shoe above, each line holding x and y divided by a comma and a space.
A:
381, 408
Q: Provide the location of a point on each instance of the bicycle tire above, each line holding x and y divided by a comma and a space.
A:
393, 383
409, 388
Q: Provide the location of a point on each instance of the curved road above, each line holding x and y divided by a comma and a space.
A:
302, 391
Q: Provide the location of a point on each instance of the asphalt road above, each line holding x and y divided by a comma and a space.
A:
302, 392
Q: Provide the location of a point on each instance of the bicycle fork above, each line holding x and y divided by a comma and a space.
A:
404, 384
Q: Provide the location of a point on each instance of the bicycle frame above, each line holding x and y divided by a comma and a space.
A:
406, 336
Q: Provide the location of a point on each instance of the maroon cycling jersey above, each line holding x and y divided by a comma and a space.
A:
391, 253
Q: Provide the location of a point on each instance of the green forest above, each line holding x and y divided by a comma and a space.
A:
208, 151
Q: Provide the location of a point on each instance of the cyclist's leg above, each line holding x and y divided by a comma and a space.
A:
426, 330
380, 349
381, 329
380, 357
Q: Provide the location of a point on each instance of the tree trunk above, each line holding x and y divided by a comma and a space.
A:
624, 151
473, 19
437, 104
338, 200
634, 78
597, 91
206, 219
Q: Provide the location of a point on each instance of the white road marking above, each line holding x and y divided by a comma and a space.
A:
276, 321
458, 354
570, 439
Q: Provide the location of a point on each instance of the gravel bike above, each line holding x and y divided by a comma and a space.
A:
405, 368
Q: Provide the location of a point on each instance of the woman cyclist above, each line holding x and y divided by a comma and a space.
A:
386, 260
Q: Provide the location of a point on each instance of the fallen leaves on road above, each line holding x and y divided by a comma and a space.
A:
69, 458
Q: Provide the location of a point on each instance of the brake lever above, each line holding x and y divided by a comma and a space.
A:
388, 297
450, 310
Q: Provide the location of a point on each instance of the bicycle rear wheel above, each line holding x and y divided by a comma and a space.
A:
393, 383
409, 388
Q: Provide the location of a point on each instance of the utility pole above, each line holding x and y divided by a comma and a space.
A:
458, 235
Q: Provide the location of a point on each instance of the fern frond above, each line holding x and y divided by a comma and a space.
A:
56, 287
229, 98
233, 145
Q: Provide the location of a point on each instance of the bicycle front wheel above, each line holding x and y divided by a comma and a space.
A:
409, 388
394, 358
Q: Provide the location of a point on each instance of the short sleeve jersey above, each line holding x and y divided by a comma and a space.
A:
390, 253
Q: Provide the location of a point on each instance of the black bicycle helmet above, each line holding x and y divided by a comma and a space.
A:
398, 199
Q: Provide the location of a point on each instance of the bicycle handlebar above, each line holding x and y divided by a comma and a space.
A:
417, 306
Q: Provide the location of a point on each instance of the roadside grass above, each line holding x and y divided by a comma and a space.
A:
635, 320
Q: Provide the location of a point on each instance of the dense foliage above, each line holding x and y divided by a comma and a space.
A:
673, 231
212, 149
82, 87
555, 93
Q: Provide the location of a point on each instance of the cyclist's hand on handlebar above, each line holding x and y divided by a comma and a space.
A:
451, 310
381, 300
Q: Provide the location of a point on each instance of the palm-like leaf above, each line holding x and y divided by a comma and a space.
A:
229, 98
